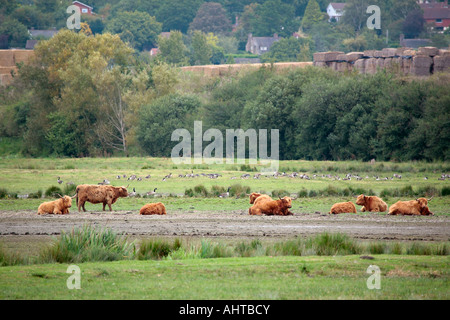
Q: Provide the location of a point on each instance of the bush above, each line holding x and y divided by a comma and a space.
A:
88, 244
157, 249
35, 195
280, 193
445, 191
239, 191
53, 192
200, 190
69, 189
3, 193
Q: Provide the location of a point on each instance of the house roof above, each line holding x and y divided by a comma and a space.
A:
264, 41
82, 4
30, 44
435, 10
44, 33
337, 5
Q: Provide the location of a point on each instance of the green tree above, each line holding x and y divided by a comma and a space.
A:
172, 49
138, 28
201, 49
158, 120
274, 16
312, 15
288, 49
17, 33
211, 17
177, 15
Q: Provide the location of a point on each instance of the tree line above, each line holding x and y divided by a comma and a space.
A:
212, 32
94, 96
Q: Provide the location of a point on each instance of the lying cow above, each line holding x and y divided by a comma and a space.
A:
272, 207
60, 206
413, 207
371, 203
343, 207
153, 208
107, 195
256, 198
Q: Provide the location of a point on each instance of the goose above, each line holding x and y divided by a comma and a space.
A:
59, 180
132, 194
226, 194
152, 193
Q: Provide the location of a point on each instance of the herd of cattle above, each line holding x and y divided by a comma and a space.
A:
261, 203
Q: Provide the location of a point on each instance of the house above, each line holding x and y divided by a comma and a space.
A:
414, 43
43, 34
84, 8
260, 45
436, 14
154, 51
31, 44
335, 11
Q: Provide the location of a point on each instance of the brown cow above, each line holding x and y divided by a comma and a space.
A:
371, 203
413, 207
153, 208
107, 195
343, 207
60, 206
272, 207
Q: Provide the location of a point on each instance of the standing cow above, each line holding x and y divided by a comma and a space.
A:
413, 207
107, 195
371, 203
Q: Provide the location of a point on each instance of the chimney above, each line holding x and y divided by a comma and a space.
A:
275, 35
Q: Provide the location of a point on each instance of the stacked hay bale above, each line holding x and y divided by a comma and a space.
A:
423, 62
8, 61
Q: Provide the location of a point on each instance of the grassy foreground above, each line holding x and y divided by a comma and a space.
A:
287, 277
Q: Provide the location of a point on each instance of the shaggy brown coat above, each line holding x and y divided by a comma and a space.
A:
371, 203
60, 206
153, 208
107, 195
272, 207
343, 207
413, 207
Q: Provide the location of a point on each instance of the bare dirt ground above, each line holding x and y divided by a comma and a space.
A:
24, 225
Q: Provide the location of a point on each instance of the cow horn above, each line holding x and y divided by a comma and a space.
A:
430, 198
59, 195
74, 196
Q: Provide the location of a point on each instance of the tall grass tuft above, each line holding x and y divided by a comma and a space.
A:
11, 259
53, 192
334, 244
88, 244
157, 249
214, 250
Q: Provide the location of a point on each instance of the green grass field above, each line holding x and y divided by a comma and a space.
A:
23, 176
256, 277
340, 277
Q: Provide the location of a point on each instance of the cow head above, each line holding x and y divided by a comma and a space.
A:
253, 197
123, 192
286, 202
423, 204
67, 201
361, 200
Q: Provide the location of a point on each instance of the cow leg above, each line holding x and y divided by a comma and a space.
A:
104, 205
109, 205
